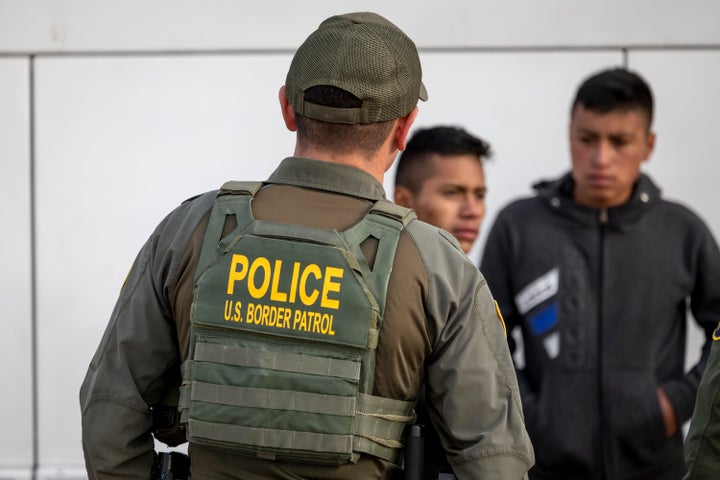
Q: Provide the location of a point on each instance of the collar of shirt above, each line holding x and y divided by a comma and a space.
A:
327, 176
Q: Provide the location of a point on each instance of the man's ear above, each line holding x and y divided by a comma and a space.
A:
650, 145
403, 197
403, 130
288, 113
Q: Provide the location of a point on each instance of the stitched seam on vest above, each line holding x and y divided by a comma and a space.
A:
289, 362
273, 399
264, 437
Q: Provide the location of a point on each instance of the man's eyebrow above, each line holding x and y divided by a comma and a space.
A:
585, 130
461, 186
622, 134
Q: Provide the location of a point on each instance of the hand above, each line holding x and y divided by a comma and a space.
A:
668, 413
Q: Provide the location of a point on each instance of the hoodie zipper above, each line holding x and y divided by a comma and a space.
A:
602, 223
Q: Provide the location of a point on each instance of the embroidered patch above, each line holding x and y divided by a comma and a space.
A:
537, 291
502, 320
716, 333
122, 287
544, 320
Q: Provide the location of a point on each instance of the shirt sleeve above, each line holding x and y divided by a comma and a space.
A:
472, 390
705, 308
136, 359
702, 445
494, 265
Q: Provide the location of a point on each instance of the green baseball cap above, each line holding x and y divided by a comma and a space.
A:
365, 55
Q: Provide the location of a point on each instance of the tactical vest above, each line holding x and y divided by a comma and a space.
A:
284, 325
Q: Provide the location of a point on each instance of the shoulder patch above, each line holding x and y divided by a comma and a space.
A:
716, 333
122, 287
502, 320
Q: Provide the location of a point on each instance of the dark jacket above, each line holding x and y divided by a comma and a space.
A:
601, 299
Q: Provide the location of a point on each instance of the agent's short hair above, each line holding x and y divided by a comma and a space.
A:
615, 89
338, 137
413, 167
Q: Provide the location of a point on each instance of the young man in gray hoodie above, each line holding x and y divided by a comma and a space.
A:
598, 270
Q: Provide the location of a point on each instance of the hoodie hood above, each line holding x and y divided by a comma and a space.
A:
557, 195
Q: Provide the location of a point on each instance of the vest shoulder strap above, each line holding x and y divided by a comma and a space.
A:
388, 209
383, 222
233, 198
234, 187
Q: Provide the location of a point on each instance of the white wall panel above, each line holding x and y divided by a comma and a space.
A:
686, 163
137, 25
155, 112
518, 102
120, 142
15, 272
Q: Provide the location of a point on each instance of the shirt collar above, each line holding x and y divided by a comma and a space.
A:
328, 176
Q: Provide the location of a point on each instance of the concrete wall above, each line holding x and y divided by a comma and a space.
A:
111, 113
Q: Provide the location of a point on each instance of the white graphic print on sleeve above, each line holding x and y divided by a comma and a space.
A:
537, 291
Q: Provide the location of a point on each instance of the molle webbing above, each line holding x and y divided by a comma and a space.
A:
285, 322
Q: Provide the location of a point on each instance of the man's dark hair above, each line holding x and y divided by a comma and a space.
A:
412, 167
615, 89
339, 137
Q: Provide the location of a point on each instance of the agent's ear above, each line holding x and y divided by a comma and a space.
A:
403, 197
403, 130
288, 113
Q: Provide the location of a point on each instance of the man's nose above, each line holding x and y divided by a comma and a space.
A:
472, 206
603, 153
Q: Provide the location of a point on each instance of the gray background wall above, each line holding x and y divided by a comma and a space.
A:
111, 113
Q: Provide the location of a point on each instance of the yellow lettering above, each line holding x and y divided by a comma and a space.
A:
294, 282
330, 286
228, 313
258, 315
262, 277
309, 299
253, 311
296, 319
235, 275
316, 322
286, 318
253, 289
276, 314
274, 293
327, 325
228, 309
266, 316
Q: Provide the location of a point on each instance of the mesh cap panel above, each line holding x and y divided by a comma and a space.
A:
364, 54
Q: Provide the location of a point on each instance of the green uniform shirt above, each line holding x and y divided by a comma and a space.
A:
702, 445
440, 326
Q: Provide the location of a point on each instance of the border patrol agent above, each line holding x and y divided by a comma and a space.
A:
702, 445
297, 318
